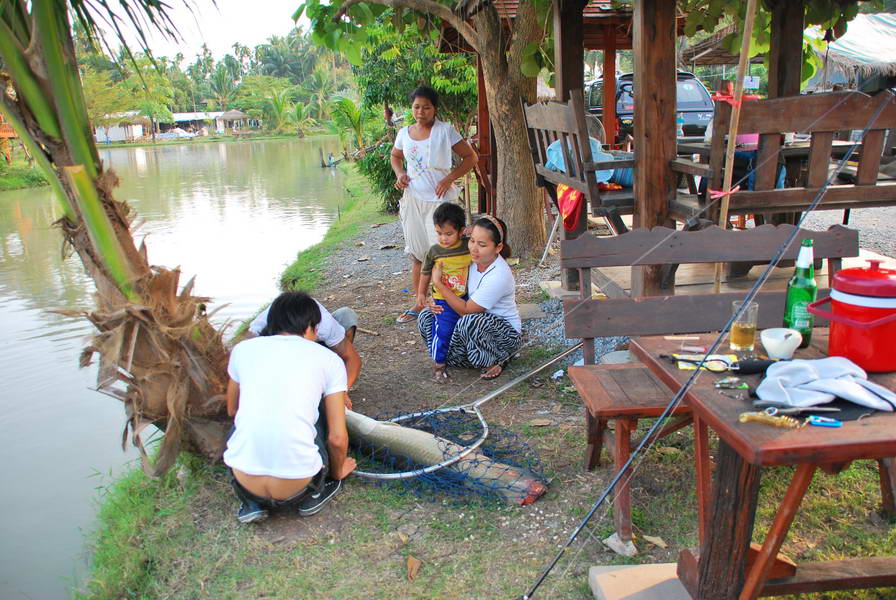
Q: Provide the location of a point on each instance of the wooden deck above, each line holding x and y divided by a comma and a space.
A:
615, 282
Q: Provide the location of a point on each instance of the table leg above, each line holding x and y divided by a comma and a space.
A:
783, 519
703, 474
887, 469
723, 556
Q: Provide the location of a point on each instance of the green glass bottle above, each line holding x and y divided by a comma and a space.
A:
801, 291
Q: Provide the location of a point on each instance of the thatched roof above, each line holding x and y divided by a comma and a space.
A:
234, 115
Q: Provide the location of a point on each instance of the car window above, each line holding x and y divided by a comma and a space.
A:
692, 95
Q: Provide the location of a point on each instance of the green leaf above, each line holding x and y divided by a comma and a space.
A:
530, 67
353, 54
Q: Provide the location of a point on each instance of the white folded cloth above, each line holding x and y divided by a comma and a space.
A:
803, 383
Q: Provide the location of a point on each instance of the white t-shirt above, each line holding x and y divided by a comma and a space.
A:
282, 381
418, 155
329, 331
494, 290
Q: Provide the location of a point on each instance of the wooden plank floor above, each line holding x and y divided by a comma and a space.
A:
698, 278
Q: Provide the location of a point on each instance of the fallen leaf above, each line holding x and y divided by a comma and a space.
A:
389, 247
513, 261
539, 422
403, 537
363, 258
656, 541
359, 244
413, 567
411, 342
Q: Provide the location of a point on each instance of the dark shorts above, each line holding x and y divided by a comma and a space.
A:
320, 440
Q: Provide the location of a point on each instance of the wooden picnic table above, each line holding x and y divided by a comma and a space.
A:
726, 566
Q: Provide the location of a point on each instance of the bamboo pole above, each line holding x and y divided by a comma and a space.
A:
742, 62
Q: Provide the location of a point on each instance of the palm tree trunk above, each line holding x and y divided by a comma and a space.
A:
158, 352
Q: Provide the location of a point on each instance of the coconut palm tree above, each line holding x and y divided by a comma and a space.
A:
349, 115
320, 87
301, 118
222, 87
158, 352
278, 110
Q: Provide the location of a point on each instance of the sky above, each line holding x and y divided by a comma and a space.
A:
249, 22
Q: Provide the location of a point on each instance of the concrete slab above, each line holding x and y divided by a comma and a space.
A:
636, 582
531, 311
553, 289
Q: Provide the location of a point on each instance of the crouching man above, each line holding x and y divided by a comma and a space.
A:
287, 394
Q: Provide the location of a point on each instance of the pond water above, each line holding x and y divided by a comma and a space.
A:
234, 214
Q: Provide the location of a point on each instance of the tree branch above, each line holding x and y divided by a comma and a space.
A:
427, 6
525, 30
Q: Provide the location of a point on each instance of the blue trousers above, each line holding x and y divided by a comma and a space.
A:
442, 328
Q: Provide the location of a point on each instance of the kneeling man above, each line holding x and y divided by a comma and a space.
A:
282, 450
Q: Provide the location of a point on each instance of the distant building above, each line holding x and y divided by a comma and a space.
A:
128, 128
194, 121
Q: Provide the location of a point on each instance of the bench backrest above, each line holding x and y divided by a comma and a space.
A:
589, 318
547, 122
821, 116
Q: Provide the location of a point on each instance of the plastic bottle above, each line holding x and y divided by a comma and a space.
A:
801, 291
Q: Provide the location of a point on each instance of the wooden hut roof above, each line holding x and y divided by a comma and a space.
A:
599, 15
234, 115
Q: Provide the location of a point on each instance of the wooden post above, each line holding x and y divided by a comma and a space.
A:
609, 77
743, 61
654, 45
786, 48
483, 131
569, 70
785, 66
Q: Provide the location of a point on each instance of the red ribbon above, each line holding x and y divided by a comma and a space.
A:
716, 194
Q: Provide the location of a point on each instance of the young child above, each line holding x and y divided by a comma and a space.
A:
454, 255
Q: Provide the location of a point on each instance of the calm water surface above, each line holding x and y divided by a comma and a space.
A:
233, 215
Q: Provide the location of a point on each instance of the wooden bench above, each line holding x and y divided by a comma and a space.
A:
547, 122
820, 116
629, 392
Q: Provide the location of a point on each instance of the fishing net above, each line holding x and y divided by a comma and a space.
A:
503, 467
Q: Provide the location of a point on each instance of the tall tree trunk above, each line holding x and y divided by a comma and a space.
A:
518, 198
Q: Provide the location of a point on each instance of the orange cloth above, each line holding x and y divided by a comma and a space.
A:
570, 201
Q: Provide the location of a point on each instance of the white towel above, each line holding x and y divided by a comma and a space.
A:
803, 383
440, 146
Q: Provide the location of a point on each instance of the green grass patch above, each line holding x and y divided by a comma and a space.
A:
20, 173
360, 209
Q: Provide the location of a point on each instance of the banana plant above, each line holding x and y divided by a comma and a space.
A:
158, 352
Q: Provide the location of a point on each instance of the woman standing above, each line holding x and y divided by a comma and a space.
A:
487, 335
427, 179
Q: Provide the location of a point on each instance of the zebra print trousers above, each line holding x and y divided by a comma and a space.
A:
479, 340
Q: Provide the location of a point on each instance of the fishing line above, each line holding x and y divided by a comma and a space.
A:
648, 441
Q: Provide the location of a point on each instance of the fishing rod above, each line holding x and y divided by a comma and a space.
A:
647, 441
469, 408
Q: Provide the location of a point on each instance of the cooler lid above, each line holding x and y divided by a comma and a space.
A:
872, 280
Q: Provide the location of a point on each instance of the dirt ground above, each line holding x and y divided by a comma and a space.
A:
545, 411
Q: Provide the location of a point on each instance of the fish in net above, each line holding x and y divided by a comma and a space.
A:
501, 466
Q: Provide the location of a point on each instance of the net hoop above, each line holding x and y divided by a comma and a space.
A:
471, 408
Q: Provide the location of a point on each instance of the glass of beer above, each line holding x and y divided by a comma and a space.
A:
743, 330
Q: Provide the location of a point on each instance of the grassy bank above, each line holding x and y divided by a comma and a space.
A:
359, 210
20, 174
